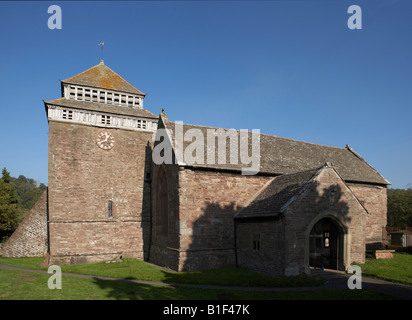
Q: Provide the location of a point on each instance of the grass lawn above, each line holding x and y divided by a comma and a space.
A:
22, 285
18, 285
398, 269
140, 270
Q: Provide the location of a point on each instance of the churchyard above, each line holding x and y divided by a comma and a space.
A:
26, 285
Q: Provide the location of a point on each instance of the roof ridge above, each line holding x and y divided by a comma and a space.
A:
305, 142
265, 134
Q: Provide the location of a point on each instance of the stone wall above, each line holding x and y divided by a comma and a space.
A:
327, 197
164, 247
208, 201
265, 253
201, 207
284, 238
30, 238
83, 178
374, 198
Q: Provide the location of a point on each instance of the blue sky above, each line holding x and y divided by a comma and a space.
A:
289, 68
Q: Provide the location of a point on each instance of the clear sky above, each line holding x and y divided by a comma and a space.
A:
289, 68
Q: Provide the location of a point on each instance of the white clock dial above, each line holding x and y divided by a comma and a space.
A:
105, 141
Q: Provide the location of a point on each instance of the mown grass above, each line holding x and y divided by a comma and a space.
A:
398, 269
18, 285
22, 285
140, 270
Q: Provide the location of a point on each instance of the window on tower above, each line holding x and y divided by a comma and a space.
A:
116, 98
72, 92
102, 97
67, 114
110, 209
109, 98
94, 96
87, 94
130, 101
79, 93
141, 124
105, 120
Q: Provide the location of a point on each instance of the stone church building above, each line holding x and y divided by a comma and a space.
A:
307, 206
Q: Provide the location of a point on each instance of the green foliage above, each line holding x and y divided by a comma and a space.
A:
6, 176
28, 191
400, 208
17, 197
9, 206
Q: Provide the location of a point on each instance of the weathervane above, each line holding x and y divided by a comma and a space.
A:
101, 44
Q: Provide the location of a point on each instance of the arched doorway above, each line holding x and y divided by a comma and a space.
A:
326, 245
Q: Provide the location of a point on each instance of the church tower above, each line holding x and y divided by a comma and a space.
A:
100, 139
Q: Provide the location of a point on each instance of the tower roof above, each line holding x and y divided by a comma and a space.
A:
101, 76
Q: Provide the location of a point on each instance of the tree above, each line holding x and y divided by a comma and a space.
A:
28, 192
400, 208
9, 206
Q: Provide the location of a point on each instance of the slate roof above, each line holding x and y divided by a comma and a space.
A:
280, 156
101, 76
94, 106
276, 194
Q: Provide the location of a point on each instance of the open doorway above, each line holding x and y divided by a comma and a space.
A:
326, 245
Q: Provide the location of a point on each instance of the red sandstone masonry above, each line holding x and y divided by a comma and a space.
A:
208, 201
200, 224
342, 206
383, 255
374, 198
269, 259
284, 240
83, 178
164, 250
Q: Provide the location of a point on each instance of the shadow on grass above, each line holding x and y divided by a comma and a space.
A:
124, 290
120, 290
174, 284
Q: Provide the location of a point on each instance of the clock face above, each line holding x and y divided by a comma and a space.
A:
105, 141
